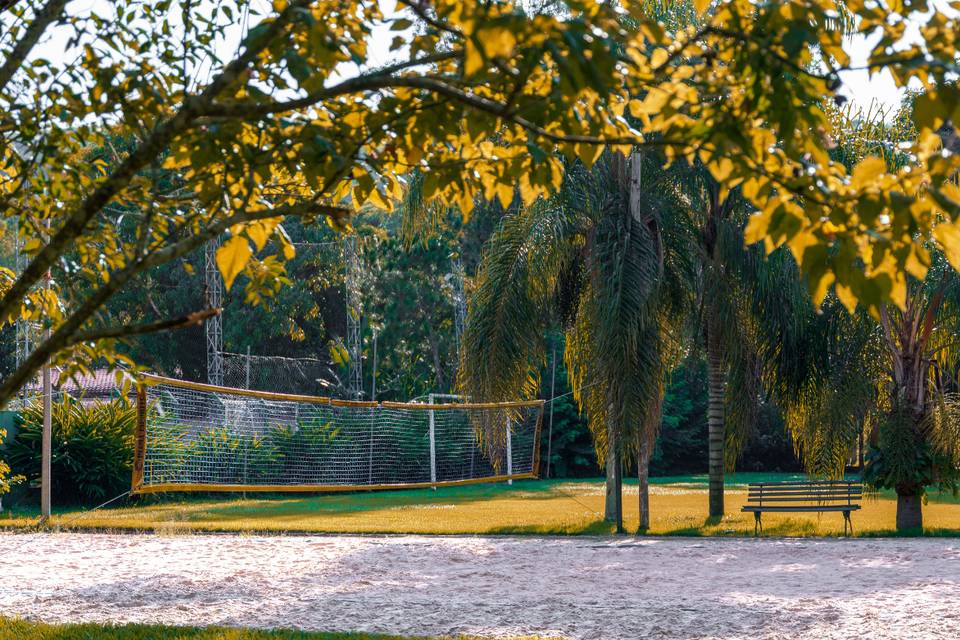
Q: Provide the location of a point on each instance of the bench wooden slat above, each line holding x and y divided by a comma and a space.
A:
803, 499
797, 489
790, 494
770, 490
797, 482
826, 507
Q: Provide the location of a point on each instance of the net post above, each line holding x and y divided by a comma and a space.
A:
433, 443
140, 439
509, 452
373, 420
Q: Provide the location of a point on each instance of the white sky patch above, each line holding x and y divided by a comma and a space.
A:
865, 89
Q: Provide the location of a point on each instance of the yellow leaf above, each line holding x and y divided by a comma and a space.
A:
465, 200
721, 169
260, 231
847, 298
799, 244
232, 257
339, 354
473, 60
528, 192
948, 235
353, 119
505, 194
588, 154
820, 288
701, 6
866, 171
497, 41
380, 201
898, 290
757, 226
918, 261
658, 58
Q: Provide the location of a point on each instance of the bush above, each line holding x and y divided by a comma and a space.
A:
6, 480
92, 448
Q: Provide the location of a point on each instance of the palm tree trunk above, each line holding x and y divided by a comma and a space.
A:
715, 425
613, 507
909, 510
643, 476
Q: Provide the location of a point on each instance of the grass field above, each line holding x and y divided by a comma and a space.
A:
21, 629
678, 507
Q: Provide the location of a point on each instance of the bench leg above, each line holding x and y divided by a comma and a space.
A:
757, 523
847, 521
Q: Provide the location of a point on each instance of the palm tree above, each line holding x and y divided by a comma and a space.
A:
893, 374
603, 258
746, 318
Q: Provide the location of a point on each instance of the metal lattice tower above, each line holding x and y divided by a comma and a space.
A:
213, 284
351, 267
459, 303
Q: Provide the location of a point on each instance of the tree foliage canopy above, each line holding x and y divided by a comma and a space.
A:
156, 131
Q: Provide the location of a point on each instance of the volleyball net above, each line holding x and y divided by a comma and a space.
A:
198, 437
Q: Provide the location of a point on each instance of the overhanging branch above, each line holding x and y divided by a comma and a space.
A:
123, 331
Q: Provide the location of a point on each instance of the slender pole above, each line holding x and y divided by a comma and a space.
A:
373, 382
553, 380
373, 417
248, 368
509, 452
47, 440
433, 444
46, 445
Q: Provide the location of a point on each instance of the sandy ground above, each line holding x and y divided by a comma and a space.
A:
572, 587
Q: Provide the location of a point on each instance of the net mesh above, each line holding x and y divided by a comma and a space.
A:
301, 376
198, 437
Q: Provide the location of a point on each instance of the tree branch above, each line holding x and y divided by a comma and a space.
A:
46, 15
376, 83
140, 157
65, 335
122, 331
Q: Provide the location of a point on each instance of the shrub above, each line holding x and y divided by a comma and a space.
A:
6, 480
92, 448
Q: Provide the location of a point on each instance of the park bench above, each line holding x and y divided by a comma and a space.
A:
816, 496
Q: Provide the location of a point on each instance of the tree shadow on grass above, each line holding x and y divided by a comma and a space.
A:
586, 528
414, 511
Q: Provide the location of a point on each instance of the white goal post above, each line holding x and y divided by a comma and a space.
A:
198, 437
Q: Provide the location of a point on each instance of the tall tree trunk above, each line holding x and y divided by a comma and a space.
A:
907, 334
643, 476
715, 426
613, 507
909, 509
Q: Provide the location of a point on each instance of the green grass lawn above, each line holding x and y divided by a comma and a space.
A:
21, 630
678, 507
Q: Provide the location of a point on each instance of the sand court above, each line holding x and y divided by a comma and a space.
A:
576, 587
